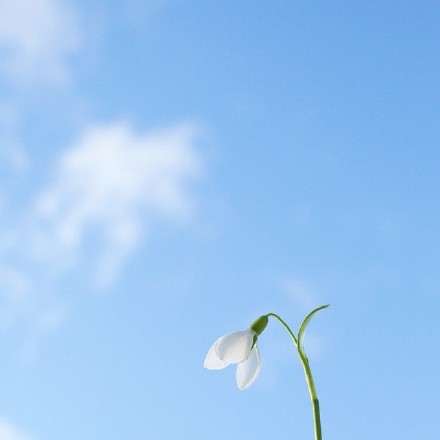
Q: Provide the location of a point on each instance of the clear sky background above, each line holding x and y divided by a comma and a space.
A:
170, 170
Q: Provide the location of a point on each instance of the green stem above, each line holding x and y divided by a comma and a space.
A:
313, 395
292, 335
309, 379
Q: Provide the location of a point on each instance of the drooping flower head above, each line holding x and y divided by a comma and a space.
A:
238, 348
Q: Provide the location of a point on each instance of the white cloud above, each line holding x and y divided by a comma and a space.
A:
105, 194
36, 38
111, 187
10, 432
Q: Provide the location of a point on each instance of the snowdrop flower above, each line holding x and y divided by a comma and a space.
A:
238, 348
241, 348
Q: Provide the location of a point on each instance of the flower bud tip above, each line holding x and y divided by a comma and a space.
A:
259, 324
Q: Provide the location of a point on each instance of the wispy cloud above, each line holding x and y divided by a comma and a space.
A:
113, 185
107, 192
36, 39
10, 432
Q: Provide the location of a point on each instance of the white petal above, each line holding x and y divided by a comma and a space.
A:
247, 371
235, 347
212, 361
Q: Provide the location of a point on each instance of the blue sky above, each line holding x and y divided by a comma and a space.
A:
171, 170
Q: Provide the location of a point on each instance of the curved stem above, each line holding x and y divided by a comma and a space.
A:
292, 335
309, 379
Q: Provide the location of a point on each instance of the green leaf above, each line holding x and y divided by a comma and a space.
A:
304, 325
